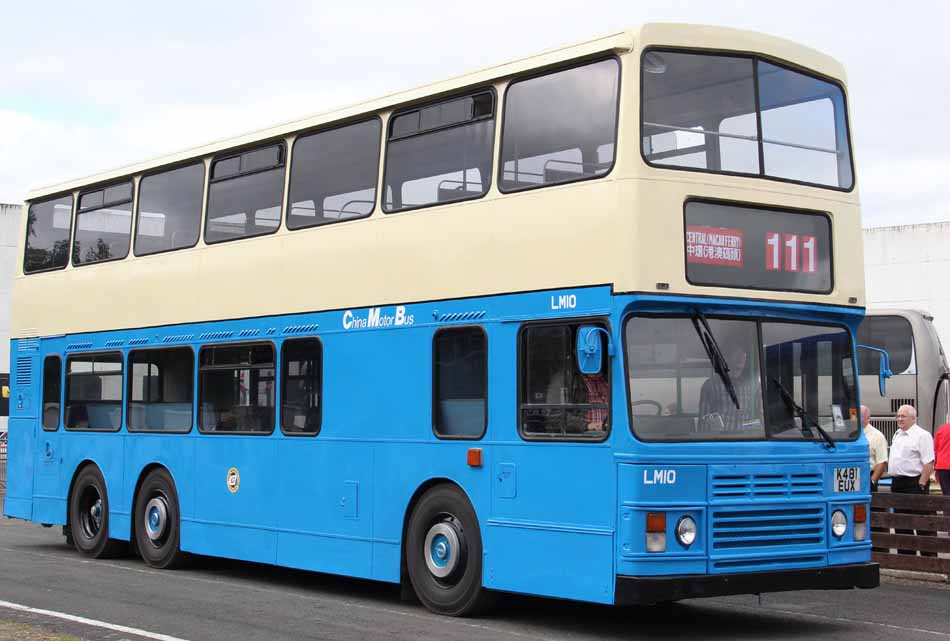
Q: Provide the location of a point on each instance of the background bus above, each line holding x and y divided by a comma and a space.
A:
919, 366
553, 327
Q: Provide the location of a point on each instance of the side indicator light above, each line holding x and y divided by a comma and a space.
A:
474, 457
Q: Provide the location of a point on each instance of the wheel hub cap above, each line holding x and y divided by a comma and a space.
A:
156, 518
96, 513
442, 548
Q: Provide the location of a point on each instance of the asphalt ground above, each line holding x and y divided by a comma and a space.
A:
220, 600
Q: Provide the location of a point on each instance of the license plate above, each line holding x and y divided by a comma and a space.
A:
847, 479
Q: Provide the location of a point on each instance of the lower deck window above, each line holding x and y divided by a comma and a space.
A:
461, 382
557, 400
52, 390
236, 388
161, 389
300, 392
94, 391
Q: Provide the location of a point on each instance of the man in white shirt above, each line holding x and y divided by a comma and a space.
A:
911, 462
877, 446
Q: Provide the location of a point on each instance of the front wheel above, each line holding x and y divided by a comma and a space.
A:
157, 521
444, 553
89, 516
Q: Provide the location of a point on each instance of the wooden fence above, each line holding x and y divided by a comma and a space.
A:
929, 515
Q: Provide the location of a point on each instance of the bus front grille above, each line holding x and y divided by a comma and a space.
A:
769, 486
740, 534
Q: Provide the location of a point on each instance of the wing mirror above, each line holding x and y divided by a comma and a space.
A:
884, 367
589, 348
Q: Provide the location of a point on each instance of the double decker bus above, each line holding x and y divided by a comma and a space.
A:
580, 326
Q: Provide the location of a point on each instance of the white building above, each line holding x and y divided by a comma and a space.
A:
907, 266
9, 229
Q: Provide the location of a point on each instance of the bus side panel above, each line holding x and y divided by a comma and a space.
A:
235, 512
173, 451
22, 427
105, 450
325, 489
551, 518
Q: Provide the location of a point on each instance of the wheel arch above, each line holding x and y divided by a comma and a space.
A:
420, 491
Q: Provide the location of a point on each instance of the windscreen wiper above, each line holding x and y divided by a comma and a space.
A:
800, 412
715, 354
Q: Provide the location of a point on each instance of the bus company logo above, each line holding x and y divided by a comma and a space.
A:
659, 477
234, 480
376, 318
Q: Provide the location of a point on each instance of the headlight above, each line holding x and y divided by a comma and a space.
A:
839, 523
686, 531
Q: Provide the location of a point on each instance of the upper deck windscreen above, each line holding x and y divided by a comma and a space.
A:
743, 115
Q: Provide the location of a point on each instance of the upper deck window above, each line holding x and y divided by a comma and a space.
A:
743, 115
47, 235
103, 224
440, 153
169, 210
333, 175
560, 127
245, 194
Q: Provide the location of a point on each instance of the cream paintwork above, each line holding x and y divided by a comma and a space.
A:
624, 230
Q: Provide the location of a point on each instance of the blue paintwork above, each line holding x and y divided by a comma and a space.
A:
557, 519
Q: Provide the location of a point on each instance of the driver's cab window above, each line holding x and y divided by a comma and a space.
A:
557, 400
677, 391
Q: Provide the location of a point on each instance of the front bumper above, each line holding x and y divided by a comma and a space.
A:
631, 590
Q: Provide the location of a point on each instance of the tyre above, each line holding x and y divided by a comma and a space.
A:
157, 521
89, 516
444, 553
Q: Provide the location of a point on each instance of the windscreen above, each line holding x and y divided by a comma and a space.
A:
684, 387
741, 114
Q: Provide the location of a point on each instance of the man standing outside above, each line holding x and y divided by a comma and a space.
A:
911, 462
877, 445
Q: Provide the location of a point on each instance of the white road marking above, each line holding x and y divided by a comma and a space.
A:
91, 622
822, 617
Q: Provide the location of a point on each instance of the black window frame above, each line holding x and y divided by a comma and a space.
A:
599, 321
120, 403
59, 400
198, 398
69, 235
211, 180
282, 384
129, 381
435, 384
317, 132
540, 74
78, 211
758, 321
204, 193
487, 179
755, 57
762, 207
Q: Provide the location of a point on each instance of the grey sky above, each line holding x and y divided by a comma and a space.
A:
88, 86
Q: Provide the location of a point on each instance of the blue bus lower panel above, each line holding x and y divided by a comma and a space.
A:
632, 590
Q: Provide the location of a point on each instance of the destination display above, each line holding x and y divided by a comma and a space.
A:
757, 248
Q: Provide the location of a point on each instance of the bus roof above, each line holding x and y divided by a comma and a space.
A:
665, 34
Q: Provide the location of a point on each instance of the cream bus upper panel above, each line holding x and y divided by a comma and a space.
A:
632, 223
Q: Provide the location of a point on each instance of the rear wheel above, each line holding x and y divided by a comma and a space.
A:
89, 516
157, 521
444, 553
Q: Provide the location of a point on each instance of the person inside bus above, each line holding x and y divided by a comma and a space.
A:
717, 410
